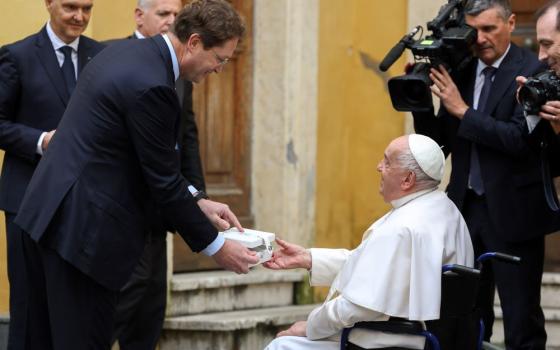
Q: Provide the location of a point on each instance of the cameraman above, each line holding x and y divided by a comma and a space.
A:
548, 36
495, 179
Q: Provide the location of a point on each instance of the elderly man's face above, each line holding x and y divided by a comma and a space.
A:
198, 62
69, 18
494, 34
549, 39
157, 18
392, 173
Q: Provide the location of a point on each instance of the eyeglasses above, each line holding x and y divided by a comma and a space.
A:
221, 61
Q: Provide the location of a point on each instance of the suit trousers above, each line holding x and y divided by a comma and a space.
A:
141, 304
518, 286
67, 309
18, 284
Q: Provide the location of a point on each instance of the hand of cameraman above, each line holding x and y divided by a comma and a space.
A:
520, 82
551, 112
447, 91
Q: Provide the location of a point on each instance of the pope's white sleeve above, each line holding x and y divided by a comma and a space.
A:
325, 264
336, 314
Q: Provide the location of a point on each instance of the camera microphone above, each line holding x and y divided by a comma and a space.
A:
397, 50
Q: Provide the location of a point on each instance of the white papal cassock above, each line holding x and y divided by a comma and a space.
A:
395, 271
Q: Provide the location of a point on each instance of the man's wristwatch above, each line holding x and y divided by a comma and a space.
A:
198, 195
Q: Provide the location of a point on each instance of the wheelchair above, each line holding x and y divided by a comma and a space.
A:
459, 327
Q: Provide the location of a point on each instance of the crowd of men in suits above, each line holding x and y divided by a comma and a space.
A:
107, 282
86, 256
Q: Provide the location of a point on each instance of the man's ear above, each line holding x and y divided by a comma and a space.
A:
409, 181
194, 41
48, 4
139, 17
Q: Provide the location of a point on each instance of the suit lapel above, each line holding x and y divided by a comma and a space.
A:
166, 56
48, 60
509, 68
84, 54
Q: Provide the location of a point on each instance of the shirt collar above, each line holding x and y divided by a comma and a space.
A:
57, 43
481, 65
397, 203
139, 35
173, 56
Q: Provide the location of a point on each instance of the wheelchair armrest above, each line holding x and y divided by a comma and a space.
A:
500, 257
393, 325
460, 269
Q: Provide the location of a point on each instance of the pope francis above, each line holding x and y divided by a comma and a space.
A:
396, 270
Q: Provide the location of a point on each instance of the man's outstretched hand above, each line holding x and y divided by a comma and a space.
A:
219, 214
235, 257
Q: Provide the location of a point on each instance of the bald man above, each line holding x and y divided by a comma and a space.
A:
399, 259
37, 76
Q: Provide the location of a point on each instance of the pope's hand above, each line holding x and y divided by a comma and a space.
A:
289, 256
235, 257
298, 329
219, 214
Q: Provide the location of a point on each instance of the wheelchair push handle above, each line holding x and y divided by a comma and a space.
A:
512, 259
460, 269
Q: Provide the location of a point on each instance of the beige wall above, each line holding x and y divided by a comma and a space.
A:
20, 18
356, 120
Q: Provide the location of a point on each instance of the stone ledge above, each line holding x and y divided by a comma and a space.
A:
551, 278
220, 279
236, 320
550, 314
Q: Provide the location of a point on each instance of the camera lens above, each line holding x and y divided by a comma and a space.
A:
414, 91
532, 98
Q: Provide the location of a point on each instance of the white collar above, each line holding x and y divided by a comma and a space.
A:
173, 56
397, 203
57, 43
139, 35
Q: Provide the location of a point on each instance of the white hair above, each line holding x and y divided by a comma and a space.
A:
145, 4
407, 161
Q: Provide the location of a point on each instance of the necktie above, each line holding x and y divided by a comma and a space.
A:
68, 70
475, 178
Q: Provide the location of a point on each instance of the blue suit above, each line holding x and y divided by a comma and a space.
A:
89, 202
141, 306
33, 97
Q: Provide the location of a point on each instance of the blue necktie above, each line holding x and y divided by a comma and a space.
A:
475, 178
68, 70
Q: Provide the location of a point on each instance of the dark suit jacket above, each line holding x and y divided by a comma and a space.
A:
191, 164
113, 154
33, 98
510, 170
189, 150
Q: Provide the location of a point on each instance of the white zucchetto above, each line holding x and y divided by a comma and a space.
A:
428, 155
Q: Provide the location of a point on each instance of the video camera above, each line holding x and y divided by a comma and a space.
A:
538, 90
449, 45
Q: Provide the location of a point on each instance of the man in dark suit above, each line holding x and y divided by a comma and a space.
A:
495, 179
543, 134
37, 80
89, 204
141, 305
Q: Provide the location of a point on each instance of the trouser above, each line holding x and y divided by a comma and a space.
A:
18, 284
141, 305
518, 285
67, 309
